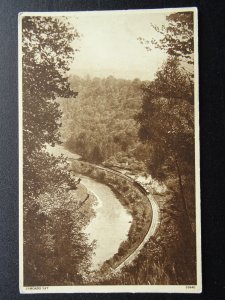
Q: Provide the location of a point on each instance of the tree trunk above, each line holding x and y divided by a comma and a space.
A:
184, 204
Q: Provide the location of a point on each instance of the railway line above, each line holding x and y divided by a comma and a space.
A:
153, 223
138, 185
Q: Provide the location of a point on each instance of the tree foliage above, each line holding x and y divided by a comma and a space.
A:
177, 36
167, 124
100, 124
173, 82
167, 110
46, 55
56, 251
46, 58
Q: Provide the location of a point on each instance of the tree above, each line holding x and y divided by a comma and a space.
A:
95, 155
173, 82
167, 124
46, 55
177, 36
55, 249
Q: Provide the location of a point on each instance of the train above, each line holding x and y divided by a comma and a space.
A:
136, 183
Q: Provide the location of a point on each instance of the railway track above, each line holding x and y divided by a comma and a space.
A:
153, 223
139, 186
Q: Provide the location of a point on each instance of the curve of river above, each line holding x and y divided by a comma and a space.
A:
110, 226
112, 222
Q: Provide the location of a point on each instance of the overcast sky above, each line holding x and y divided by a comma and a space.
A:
109, 45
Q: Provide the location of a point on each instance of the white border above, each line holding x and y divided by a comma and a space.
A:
114, 288
197, 154
20, 110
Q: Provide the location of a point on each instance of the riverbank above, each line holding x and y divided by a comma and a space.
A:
56, 248
160, 259
135, 202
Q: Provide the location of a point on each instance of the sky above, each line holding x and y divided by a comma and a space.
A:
108, 44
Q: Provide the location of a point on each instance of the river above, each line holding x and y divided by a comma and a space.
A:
110, 226
112, 222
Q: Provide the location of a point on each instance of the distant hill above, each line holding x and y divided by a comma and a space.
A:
100, 123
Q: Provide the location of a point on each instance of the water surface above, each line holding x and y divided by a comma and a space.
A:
112, 222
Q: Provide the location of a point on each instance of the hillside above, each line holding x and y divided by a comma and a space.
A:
100, 123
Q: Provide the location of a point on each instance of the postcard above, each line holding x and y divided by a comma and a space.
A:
109, 165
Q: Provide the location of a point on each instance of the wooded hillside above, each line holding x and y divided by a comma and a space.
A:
100, 123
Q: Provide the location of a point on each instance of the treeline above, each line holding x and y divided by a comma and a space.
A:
99, 124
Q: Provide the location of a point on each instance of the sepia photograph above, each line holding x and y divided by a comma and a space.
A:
109, 172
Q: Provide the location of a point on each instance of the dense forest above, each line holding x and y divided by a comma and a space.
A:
141, 127
100, 124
